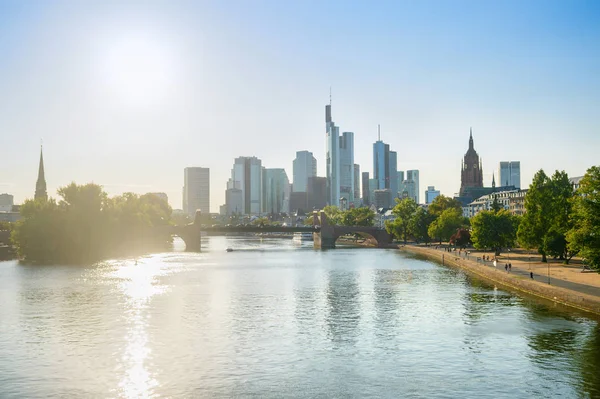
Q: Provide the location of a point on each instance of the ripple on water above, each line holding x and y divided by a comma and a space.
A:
274, 319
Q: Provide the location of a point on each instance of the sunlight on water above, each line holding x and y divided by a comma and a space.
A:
274, 319
139, 283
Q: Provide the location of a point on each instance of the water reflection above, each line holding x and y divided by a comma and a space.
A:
343, 295
139, 283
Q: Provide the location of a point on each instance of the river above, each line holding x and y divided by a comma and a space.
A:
276, 319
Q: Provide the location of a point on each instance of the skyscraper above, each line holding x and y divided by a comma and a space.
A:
40, 185
509, 174
400, 179
247, 176
385, 166
413, 175
347, 166
431, 194
305, 166
357, 184
332, 158
276, 191
366, 198
393, 174
471, 173
196, 190
381, 162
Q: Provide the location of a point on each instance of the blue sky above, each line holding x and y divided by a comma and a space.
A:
127, 94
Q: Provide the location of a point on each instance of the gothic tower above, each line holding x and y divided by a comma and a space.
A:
40, 185
471, 173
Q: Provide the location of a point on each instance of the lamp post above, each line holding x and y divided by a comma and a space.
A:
548, 263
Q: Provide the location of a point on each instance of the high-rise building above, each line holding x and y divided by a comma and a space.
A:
399, 179
347, 166
409, 190
385, 166
393, 174
413, 175
40, 185
196, 189
305, 166
509, 174
234, 201
383, 198
6, 202
332, 158
357, 178
365, 189
247, 176
471, 171
276, 191
373, 184
317, 193
381, 163
431, 194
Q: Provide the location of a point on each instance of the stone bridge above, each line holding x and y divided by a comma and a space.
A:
324, 233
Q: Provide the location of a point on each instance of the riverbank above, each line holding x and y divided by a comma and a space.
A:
584, 297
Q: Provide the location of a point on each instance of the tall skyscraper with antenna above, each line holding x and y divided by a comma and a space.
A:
332, 159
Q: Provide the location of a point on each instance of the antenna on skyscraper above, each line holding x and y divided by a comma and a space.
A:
378, 132
329, 95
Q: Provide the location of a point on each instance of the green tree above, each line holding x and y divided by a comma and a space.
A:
263, 221
584, 235
38, 235
441, 203
562, 203
447, 223
537, 220
547, 217
334, 214
358, 217
404, 211
85, 225
419, 225
494, 230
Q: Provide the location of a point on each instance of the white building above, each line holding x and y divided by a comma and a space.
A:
305, 166
486, 202
509, 174
196, 190
414, 176
332, 158
247, 176
347, 166
431, 194
276, 191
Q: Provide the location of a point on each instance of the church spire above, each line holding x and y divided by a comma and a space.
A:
40, 185
471, 138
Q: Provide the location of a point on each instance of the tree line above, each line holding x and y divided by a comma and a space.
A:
558, 221
85, 225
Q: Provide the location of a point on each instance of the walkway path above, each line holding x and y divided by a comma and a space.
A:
555, 273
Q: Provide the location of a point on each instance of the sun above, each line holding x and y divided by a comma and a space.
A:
138, 70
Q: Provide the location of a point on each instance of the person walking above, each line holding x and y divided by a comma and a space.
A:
531, 275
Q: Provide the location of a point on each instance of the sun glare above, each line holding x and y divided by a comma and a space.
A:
138, 70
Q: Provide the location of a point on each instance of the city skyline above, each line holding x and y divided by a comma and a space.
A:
68, 77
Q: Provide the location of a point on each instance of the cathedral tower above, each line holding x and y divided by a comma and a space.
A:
471, 173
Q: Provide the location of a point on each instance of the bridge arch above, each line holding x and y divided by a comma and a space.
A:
329, 233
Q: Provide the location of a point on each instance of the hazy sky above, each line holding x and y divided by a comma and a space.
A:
127, 94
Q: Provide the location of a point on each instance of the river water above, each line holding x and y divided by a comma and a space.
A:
276, 319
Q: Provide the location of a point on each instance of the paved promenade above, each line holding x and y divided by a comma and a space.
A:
569, 284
